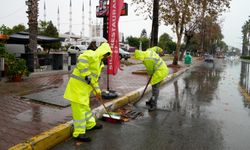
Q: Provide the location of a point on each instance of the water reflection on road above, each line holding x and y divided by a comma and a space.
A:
210, 94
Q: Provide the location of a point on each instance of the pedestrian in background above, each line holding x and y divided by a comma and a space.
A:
156, 69
188, 59
92, 46
79, 87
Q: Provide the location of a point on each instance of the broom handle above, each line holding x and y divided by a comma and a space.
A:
100, 100
145, 87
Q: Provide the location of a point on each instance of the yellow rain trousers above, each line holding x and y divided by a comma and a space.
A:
78, 91
82, 118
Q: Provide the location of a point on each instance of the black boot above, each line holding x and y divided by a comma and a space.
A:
149, 102
152, 107
83, 138
97, 126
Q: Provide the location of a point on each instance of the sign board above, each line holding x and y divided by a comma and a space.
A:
103, 10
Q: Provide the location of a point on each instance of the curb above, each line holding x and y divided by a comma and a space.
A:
60, 133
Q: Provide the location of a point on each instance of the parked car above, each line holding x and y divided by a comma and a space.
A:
123, 54
208, 58
77, 49
39, 48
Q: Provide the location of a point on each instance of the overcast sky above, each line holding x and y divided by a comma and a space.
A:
12, 12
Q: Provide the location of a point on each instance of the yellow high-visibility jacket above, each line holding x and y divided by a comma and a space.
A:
154, 64
156, 49
89, 64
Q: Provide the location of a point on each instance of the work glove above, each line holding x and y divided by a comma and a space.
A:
98, 92
87, 79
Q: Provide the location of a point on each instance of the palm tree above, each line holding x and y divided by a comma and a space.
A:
32, 17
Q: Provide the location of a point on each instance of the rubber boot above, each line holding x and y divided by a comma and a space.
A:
97, 126
150, 101
152, 108
153, 105
83, 138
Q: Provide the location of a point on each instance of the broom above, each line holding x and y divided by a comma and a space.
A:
145, 87
107, 118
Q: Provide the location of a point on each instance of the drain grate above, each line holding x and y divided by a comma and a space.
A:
133, 114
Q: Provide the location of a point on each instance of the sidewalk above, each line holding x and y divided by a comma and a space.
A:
22, 119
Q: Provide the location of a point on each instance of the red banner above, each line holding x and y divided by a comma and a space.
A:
115, 7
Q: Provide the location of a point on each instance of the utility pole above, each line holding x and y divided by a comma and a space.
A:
32, 47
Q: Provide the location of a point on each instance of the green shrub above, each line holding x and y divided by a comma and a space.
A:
245, 57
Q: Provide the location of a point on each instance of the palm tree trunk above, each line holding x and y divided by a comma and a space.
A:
33, 30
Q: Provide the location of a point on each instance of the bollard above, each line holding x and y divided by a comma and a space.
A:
69, 62
1, 67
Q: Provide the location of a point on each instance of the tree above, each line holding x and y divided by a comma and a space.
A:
18, 28
150, 10
177, 13
135, 42
145, 43
7, 30
180, 13
155, 24
144, 33
209, 8
166, 43
245, 38
32, 46
51, 31
42, 26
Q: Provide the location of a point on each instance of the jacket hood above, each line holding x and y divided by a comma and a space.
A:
139, 55
103, 49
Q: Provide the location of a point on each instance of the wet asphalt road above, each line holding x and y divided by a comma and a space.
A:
203, 109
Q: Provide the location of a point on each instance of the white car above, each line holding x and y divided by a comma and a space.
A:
77, 49
124, 54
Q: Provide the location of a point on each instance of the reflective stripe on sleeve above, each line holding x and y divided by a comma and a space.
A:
78, 78
83, 70
83, 60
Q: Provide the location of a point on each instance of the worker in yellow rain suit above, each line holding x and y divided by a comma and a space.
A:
157, 49
156, 68
78, 90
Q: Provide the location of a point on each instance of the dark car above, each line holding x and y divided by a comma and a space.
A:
123, 54
209, 58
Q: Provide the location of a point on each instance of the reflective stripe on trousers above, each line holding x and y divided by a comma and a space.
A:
82, 118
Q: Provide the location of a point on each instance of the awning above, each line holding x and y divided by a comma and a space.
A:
23, 38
